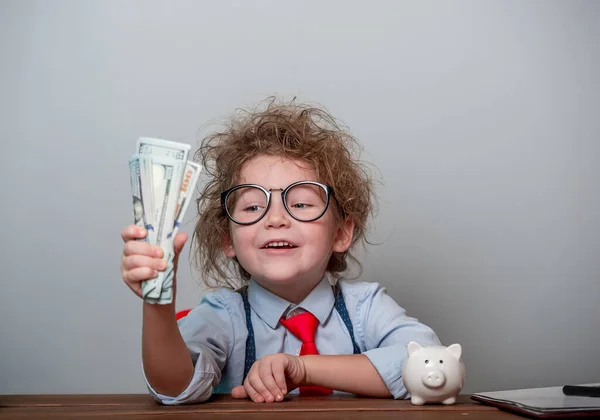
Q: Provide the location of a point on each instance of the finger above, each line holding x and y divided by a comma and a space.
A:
279, 375
137, 261
136, 288
239, 392
179, 242
259, 386
137, 275
266, 375
132, 232
252, 393
142, 248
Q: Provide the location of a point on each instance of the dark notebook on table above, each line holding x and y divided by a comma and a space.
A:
541, 403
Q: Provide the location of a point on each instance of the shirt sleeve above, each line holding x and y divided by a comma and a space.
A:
386, 331
208, 334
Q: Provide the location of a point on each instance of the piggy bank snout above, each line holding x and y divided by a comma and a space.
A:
434, 378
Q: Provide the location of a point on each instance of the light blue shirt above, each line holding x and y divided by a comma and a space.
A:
215, 333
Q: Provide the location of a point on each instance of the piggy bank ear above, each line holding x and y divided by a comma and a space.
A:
413, 347
455, 350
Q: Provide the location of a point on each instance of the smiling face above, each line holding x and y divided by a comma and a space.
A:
284, 255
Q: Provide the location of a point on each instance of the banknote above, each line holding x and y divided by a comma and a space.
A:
166, 178
149, 149
162, 148
188, 185
139, 218
162, 184
146, 183
141, 196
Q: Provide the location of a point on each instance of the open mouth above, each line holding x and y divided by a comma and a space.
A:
279, 245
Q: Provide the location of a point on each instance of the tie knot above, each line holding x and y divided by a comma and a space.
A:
303, 326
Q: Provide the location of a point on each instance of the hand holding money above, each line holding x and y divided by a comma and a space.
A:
141, 261
162, 185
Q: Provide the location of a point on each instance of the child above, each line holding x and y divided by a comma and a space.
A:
285, 204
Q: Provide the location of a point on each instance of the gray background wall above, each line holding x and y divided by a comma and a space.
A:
482, 117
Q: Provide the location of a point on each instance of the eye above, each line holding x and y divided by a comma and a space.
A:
441, 361
427, 361
252, 208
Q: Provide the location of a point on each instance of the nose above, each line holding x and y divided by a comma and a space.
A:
434, 378
277, 216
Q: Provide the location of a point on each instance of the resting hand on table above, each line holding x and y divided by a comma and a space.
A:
271, 377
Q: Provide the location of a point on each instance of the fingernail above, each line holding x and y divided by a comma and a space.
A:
154, 273
158, 252
163, 264
279, 397
141, 231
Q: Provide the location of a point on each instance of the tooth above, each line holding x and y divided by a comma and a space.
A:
278, 244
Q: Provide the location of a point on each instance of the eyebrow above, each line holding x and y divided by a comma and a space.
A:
284, 187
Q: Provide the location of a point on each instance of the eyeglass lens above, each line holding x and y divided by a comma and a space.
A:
304, 202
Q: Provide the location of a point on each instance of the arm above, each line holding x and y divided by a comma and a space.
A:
272, 376
348, 373
167, 363
385, 332
382, 329
206, 333
386, 329
181, 361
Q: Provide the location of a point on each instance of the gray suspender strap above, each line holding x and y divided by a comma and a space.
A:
340, 306
250, 349
250, 358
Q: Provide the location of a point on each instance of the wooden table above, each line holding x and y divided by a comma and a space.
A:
133, 407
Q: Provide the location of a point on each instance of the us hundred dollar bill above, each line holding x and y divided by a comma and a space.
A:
162, 183
139, 217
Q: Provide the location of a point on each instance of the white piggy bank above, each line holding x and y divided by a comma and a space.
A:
433, 374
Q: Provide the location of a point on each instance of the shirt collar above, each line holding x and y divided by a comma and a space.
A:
270, 307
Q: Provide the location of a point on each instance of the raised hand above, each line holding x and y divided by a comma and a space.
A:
142, 261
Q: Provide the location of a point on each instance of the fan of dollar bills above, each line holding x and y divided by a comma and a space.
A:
162, 185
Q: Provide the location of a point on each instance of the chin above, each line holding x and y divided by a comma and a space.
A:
280, 278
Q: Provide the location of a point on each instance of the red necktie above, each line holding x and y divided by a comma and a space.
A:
304, 326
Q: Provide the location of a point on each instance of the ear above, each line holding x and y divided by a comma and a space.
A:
343, 235
413, 347
455, 350
227, 246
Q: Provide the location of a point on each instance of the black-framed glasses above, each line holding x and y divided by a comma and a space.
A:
305, 201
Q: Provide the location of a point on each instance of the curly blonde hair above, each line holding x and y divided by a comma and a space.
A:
293, 131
